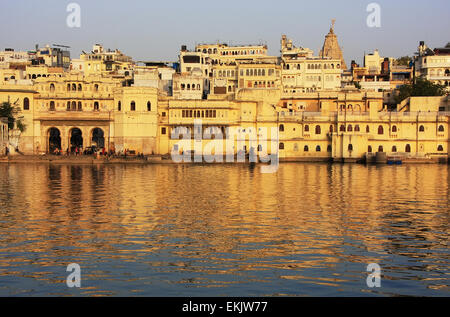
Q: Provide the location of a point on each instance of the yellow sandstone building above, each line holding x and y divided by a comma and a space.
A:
268, 105
80, 111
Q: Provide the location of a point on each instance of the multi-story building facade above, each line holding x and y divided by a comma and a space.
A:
304, 73
219, 91
100, 61
434, 65
381, 73
10, 56
52, 56
77, 111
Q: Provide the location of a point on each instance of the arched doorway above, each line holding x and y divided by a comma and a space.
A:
98, 138
54, 140
76, 139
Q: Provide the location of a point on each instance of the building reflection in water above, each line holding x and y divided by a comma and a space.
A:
310, 229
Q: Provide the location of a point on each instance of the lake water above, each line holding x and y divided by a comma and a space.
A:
224, 230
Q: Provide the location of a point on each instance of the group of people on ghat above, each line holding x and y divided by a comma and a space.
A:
79, 151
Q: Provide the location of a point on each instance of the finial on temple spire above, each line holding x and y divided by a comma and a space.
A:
333, 21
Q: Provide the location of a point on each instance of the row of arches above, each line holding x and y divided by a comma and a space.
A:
189, 86
306, 148
75, 139
394, 149
74, 106
350, 107
242, 52
36, 76
356, 128
261, 84
325, 66
74, 87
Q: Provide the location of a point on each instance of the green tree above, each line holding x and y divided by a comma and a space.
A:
403, 61
12, 112
422, 87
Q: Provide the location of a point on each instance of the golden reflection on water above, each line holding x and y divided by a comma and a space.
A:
309, 229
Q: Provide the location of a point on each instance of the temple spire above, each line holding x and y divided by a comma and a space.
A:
331, 47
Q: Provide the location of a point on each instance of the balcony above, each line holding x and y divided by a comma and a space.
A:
74, 116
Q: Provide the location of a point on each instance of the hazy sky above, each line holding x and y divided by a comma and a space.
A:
155, 30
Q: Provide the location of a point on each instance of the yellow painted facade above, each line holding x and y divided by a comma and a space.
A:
316, 126
77, 111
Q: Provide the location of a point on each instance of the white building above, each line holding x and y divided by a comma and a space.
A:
303, 73
434, 65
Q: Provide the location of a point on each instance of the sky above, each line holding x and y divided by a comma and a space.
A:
154, 30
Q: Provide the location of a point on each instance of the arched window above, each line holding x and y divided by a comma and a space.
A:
74, 87
26, 104
318, 129
306, 128
440, 148
342, 128
281, 127
421, 128
80, 106
68, 87
80, 88
394, 130
52, 87
96, 106
281, 146
408, 148
329, 148
380, 148
369, 149
133, 106
73, 106
68, 105
149, 106
96, 87
306, 148
52, 106
357, 129
350, 147
350, 128
119, 106
394, 149
367, 129
441, 128
331, 128
380, 131
318, 148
